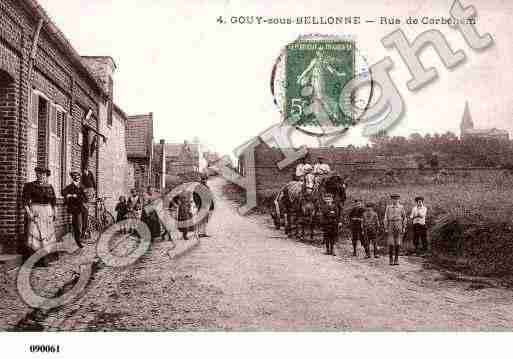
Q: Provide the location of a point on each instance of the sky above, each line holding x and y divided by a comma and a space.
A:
211, 81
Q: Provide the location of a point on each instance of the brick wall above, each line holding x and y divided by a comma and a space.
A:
8, 160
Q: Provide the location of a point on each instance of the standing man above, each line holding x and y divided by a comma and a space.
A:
418, 216
88, 183
76, 200
370, 229
356, 218
395, 221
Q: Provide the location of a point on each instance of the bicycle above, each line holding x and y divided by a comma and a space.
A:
101, 221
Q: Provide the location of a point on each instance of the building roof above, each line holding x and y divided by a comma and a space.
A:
139, 135
174, 149
120, 111
63, 43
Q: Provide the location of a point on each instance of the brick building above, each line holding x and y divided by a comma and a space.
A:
140, 149
183, 158
56, 111
176, 159
50, 110
114, 172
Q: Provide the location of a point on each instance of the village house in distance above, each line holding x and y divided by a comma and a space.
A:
172, 160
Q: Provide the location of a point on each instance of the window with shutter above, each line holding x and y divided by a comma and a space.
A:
68, 131
56, 147
53, 119
32, 136
60, 124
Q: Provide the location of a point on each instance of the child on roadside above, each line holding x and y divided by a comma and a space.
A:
370, 229
418, 217
122, 212
330, 222
356, 219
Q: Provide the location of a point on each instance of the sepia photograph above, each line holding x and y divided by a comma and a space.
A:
230, 172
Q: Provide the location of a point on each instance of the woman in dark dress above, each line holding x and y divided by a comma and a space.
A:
39, 201
149, 215
184, 203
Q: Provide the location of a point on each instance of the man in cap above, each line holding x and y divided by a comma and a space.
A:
356, 218
75, 200
394, 221
330, 222
418, 216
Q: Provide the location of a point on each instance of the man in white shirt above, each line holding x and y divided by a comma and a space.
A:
418, 216
300, 169
321, 168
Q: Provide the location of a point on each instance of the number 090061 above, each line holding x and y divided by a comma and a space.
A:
45, 349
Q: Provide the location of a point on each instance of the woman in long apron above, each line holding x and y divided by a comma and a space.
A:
39, 201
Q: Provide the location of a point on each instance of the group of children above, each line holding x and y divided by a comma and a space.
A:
366, 226
131, 207
184, 207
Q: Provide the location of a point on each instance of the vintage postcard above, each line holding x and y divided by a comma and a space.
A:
210, 167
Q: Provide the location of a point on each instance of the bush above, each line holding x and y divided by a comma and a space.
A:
477, 245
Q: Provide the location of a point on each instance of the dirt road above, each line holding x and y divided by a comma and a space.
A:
249, 276
269, 282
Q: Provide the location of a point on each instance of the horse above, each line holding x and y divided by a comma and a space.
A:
287, 205
309, 207
300, 200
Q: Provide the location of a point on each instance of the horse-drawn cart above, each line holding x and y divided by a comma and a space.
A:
297, 206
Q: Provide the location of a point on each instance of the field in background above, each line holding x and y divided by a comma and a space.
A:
470, 225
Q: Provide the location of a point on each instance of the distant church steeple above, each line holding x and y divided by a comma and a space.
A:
466, 121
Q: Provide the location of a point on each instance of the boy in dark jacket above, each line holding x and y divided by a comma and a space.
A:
371, 227
330, 222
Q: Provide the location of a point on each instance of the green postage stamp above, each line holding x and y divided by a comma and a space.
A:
316, 72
